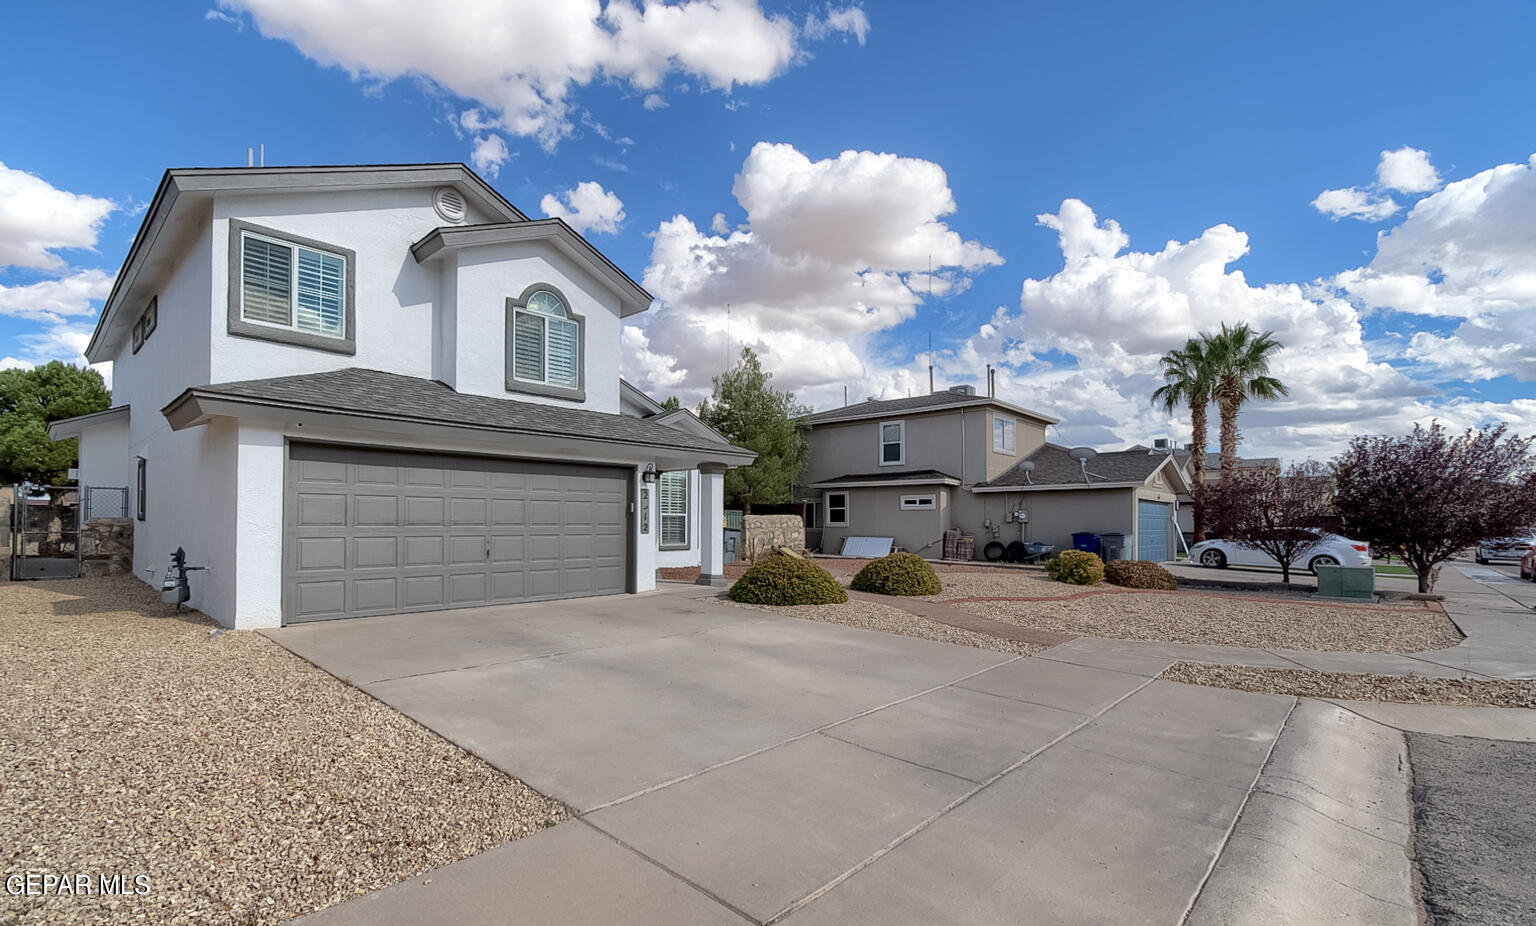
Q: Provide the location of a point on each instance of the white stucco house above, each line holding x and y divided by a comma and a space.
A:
354, 391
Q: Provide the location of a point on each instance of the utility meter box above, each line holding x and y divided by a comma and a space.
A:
1356, 582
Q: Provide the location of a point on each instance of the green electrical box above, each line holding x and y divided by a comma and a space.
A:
1357, 582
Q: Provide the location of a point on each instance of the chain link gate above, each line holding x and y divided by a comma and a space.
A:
45, 532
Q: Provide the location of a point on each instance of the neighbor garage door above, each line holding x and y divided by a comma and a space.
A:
1152, 530
381, 532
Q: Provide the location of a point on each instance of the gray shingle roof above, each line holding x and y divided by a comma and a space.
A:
411, 398
937, 401
914, 475
1053, 467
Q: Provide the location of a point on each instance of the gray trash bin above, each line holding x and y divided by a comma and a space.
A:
1112, 546
732, 544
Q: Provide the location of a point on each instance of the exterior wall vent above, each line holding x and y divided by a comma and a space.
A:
449, 204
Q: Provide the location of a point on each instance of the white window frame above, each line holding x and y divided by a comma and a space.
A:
919, 502
901, 444
662, 515
1005, 435
293, 285
827, 506
517, 307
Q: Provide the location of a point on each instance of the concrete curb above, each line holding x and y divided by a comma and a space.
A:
1324, 836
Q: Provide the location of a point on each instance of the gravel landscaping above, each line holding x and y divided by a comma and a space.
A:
1204, 617
869, 615
1309, 684
246, 784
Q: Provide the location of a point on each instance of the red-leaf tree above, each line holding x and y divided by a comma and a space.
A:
1281, 514
1431, 494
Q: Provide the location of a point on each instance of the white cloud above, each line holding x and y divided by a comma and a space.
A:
719, 225
222, 17
831, 252
489, 153
522, 59
847, 21
52, 300
1355, 203
654, 101
36, 220
1466, 254
586, 208
1407, 170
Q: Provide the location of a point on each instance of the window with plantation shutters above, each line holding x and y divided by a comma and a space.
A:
287, 285
545, 344
673, 501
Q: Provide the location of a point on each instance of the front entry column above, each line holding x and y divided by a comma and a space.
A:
711, 525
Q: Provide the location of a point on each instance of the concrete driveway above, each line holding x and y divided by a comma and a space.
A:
731, 766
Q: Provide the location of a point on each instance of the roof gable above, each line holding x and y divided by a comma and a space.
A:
1053, 467
933, 402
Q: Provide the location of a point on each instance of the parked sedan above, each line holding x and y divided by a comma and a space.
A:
1332, 551
1505, 549
1528, 565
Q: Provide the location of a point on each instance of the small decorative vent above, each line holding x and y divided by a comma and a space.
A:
449, 204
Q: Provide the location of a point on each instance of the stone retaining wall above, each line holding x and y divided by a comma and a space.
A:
763, 532
106, 547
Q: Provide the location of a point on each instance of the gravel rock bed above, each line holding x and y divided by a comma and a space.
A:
869, 615
249, 786
1309, 684
1012, 584
1195, 617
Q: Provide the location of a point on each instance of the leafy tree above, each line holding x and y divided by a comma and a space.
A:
1239, 365
1281, 514
1188, 380
1429, 495
29, 400
751, 413
671, 404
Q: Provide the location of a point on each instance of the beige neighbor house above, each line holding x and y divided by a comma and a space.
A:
911, 469
1212, 479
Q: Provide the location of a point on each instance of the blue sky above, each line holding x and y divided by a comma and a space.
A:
1220, 117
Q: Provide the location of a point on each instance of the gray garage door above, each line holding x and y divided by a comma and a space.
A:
381, 532
1152, 530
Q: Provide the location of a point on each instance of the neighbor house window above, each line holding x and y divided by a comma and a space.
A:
918, 503
1003, 435
672, 496
893, 443
141, 482
544, 353
837, 509
290, 289
812, 515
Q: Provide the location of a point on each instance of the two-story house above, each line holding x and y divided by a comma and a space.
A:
911, 469
353, 391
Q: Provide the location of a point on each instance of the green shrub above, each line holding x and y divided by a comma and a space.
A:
786, 580
1076, 567
1139, 573
898, 574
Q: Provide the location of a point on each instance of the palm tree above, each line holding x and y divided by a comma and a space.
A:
1239, 364
1187, 380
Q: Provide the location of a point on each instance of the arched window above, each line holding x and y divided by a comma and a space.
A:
545, 343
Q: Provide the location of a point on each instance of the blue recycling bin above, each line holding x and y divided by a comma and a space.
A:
1087, 542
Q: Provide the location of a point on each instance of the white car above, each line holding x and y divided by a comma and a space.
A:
1505, 549
1332, 551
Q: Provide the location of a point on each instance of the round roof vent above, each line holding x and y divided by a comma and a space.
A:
449, 203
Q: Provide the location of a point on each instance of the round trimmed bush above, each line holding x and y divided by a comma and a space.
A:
1076, 567
785, 580
898, 574
1139, 573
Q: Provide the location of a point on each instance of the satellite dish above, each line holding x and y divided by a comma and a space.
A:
1027, 466
1082, 454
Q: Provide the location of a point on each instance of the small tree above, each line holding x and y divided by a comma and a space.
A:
1280, 514
752, 414
29, 400
1429, 495
671, 404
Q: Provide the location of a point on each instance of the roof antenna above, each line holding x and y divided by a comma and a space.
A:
930, 361
263, 155
1082, 455
845, 395
250, 156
